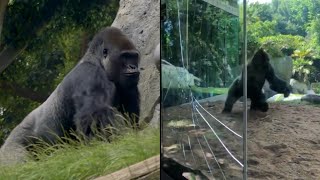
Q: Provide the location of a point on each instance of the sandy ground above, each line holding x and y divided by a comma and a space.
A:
283, 143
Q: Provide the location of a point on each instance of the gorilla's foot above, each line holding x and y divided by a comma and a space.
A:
264, 107
286, 94
226, 111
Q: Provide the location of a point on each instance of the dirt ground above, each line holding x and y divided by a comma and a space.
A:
283, 143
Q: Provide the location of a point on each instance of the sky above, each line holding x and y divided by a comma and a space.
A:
260, 1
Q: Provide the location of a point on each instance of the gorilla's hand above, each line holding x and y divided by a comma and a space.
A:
286, 92
281, 87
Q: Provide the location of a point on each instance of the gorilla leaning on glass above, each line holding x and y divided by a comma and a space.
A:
259, 70
105, 78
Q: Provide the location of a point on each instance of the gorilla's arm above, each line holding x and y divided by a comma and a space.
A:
92, 98
276, 83
128, 103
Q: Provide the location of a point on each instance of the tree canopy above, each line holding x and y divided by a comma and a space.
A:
287, 27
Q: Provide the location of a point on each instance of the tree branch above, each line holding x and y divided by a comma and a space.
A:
17, 90
3, 7
7, 56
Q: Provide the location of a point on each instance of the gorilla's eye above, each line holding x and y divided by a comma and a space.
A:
105, 52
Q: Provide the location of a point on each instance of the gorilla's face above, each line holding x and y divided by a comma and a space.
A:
129, 74
121, 59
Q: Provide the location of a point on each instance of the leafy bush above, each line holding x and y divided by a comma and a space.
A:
280, 45
302, 64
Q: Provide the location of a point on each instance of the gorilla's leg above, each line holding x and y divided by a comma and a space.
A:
234, 93
258, 102
93, 106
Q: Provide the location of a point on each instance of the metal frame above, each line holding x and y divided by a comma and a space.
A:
245, 78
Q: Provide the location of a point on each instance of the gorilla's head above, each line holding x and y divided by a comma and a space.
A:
261, 59
119, 56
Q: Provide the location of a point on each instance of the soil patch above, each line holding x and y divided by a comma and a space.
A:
282, 143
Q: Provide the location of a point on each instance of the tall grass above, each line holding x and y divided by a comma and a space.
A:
80, 159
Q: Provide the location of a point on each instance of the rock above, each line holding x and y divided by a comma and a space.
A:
177, 77
298, 87
156, 56
140, 21
221, 161
155, 121
312, 98
283, 67
267, 91
280, 97
310, 91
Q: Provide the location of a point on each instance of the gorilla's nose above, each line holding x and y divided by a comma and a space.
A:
133, 67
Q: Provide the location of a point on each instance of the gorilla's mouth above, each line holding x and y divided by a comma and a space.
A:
131, 73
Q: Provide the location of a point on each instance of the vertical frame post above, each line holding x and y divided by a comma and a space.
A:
245, 79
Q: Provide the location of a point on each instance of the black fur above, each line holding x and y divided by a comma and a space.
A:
259, 70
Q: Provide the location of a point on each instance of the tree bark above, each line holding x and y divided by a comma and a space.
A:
7, 56
3, 7
17, 90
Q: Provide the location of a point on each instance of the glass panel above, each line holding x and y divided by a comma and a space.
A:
286, 135
201, 57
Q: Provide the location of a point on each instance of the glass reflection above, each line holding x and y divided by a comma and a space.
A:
200, 50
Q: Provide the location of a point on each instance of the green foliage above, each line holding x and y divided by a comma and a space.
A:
316, 87
260, 12
284, 17
210, 90
209, 40
277, 45
262, 28
287, 27
80, 160
302, 65
314, 35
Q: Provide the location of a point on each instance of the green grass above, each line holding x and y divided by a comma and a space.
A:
297, 103
212, 90
88, 160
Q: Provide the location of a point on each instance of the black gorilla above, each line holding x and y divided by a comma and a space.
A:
106, 77
259, 70
172, 170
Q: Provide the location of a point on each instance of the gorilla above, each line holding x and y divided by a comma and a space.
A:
105, 78
171, 169
259, 70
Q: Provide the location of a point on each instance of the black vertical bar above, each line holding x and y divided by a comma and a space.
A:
245, 78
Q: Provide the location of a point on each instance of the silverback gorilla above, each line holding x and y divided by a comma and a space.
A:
259, 70
106, 77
